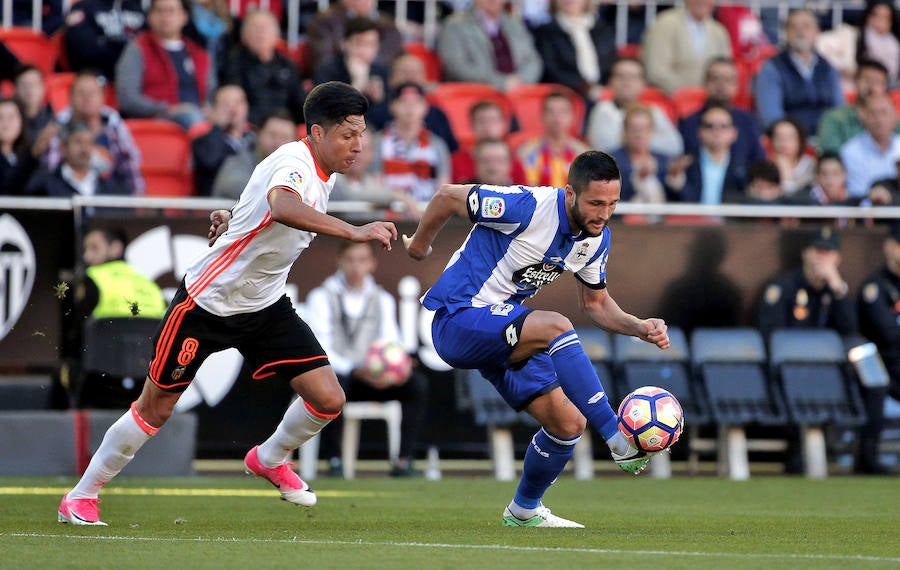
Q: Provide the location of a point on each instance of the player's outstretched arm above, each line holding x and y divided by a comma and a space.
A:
606, 313
288, 209
448, 200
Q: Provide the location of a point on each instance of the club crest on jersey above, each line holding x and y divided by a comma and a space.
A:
536, 276
492, 207
501, 309
178, 373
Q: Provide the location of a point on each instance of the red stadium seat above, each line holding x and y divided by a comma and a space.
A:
31, 47
895, 97
199, 129
455, 99
165, 156
432, 62
527, 104
168, 184
658, 98
59, 85
688, 100
629, 50
515, 140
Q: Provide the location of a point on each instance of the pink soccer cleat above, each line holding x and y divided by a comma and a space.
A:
292, 488
80, 511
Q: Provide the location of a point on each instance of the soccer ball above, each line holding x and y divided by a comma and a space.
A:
388, 362
651, 418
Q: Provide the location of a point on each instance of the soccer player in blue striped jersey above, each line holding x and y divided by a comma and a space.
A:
524, 238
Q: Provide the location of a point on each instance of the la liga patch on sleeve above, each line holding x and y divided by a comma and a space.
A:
492, 207
293, 180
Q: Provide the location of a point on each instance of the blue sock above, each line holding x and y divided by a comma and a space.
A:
544, 461
581, 384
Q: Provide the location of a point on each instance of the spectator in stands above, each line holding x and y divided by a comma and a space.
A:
277, 129
268, 78
484, 44
642, 169
879, 38
348, 313
110, 288
841, 124
872, 154
787, 149
877, 306
797, 82
163, 74
546, 158
577, 48
493, 163
488, 123
721, 85
814, 295
326, 33
409, 68
75, 174
886, 192
626, 82
764, 186
712, 171
229, 135
209, 24
17, 163
97, 32
678, 45
356, 65
9, 63
413, 161
830, 185
115, 156
31, 91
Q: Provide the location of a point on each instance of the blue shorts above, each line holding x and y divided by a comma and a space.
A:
483, 338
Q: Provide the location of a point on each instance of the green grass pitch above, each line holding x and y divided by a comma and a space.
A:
632, 522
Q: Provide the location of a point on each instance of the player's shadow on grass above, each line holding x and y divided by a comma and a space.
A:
703, 296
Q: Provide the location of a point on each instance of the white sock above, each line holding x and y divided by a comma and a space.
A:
521, 513
619, 445
121, 442
299, 424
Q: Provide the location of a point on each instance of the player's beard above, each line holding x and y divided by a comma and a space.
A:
581, 221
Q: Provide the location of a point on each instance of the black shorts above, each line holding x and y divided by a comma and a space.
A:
274, 340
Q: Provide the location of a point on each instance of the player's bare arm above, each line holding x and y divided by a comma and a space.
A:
450, 199
289, 209
606, 313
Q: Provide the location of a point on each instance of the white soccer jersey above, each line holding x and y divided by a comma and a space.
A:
247, 268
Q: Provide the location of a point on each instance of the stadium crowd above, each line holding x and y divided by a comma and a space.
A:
688, 112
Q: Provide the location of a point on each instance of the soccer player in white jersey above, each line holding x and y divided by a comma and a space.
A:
233, 296
525, 238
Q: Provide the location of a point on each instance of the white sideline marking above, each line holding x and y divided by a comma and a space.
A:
792, 556
163, 492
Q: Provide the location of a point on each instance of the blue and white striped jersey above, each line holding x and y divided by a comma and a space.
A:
521, 241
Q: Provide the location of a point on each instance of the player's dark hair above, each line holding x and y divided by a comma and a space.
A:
329, 104
590, 166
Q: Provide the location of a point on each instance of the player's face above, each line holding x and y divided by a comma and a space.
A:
339, 146
591, 210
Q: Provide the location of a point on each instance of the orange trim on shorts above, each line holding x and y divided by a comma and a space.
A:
319, 414
259, 375
167, 337
226, 258
141, 422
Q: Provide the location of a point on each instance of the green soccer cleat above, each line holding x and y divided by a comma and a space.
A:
634, 462
543, 518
